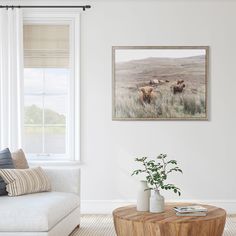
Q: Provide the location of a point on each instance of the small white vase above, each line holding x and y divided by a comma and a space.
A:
143, 196
157, 202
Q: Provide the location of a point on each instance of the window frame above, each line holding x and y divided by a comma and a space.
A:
71, 18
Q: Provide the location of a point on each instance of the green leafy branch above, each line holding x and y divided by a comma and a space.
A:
157, 170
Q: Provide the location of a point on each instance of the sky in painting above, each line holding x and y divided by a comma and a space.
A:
123, 55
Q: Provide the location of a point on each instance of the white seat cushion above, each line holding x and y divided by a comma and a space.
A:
35, 212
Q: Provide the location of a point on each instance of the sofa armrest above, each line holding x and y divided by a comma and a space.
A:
64, 179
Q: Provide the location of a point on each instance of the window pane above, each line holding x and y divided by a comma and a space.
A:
56, 80
55, 109
55, 141
33, 80
33, 110
33, 142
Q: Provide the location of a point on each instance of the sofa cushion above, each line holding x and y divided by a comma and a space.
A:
35, 212
19, 159
25, 181
5, 163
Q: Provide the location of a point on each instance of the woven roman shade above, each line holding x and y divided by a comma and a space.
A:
46, 46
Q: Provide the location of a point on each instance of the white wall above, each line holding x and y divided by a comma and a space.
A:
205, 150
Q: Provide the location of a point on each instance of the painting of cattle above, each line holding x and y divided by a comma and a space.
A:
160, 83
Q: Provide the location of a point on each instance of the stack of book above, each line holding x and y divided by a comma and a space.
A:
191, 211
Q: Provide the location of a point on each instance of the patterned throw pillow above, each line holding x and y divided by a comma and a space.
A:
5, 163
19, 159
25, 181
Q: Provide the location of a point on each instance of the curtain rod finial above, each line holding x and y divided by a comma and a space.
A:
86, 6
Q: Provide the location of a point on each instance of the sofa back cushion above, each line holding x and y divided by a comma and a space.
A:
5, 163
25, 181
19, 159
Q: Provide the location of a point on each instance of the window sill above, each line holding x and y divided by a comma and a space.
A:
33, 163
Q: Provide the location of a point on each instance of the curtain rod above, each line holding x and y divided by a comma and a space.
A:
84, 7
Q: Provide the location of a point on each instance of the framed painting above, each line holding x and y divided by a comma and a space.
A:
160, 82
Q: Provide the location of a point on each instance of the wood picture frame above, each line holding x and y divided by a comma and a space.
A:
160, 82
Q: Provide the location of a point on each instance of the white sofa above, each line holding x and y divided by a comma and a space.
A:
55, 213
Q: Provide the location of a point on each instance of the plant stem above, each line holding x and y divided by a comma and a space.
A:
150, 174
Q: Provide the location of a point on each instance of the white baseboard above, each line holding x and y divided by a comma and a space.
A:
107, 206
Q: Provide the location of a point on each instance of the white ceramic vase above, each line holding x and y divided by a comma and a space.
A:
157, 202
143, 196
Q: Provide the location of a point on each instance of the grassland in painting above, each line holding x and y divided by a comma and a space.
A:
132, 75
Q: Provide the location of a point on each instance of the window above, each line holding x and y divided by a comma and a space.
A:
51, 88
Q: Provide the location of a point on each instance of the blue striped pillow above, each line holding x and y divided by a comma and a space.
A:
5, 163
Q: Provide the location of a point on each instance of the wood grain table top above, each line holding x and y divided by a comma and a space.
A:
131, 214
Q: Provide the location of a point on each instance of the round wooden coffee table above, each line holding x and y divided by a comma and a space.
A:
129, 222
